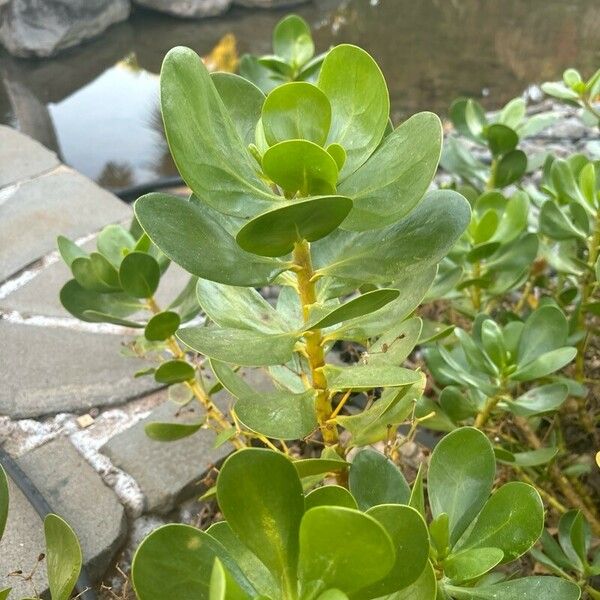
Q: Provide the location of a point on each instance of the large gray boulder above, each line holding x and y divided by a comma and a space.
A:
188, 8
44, 27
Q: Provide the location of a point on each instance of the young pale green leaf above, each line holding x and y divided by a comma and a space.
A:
307, 467
424, 588
261, 497
539, 400
531, 458
545, 364
174, 371
333, 595
510, 168
408, 533
274, 233
198, 238
3, 500
418, 241
338, 154
63, 557
395, 178
362, 377
546, 329
417, 492
170, 432
357, 307
296, 111
204, 143
513, 113
281, 415
95, 273
501, 139
461, 474
374, 479
556, 225
512, 520
574, 538
162, 326
114, 241
300, 166
471, 123
292, 40
527, 588
360, 103
176, 561
514, 218
253, 569
69, 250
218, 582
243, 101
330, 495
362, 555
86, 305
471, 564
139, 275
239, 346
253, 70
238, 307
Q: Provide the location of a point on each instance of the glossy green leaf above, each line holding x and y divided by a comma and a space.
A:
63, 557
416, 242
292, 40
280, 415
139, 275
330, 495
424, 588
3, 500
174, 371
374, 479
296, 111
546, 329
87, 305
238, 307
300, 166
338, 154
176, 561
207, 149
501, 139
394, 347
362, 377
199, 239
162, 326
69, 250
356, 307
512, 520
408, 533
114, 242
360, 103
239, 346
170, 432
363, 552
307, 467
510, 168
260, 494
539, 400
527, 588
460, 478
243, 101
333, 595
393, 180
545, 364
274, 233
471, 564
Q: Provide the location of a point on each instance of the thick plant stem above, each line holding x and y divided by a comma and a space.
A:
314, 339
558, 479
491, 182
484, 415
212, 411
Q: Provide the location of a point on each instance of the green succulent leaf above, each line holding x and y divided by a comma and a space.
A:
510, 168
527, 588
174, 371
139, 275
546, 329
330, 495
394, 347
3, 500
95, 273
461, 474
395, 178
363, 552
374, 480
300, 166
513, 113
471, 564
545, 364
362, 377
501, 139
63, 557
296, 111
424, 588
114, 242
170, 432
539, 400
307, 467
292, 40
69, 250
274, 233
200, 240
207, 149
360, 103
260, 494
162, 326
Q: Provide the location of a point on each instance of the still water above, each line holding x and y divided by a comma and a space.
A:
97, 105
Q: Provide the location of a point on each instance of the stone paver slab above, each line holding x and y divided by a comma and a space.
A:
47, 370
35, 212
21, 157
75, 492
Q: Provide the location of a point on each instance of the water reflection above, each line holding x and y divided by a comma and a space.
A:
97, 104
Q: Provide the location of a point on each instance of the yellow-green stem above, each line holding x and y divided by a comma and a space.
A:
314, 340
484, 414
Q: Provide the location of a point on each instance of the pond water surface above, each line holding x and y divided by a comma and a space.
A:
97, 104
